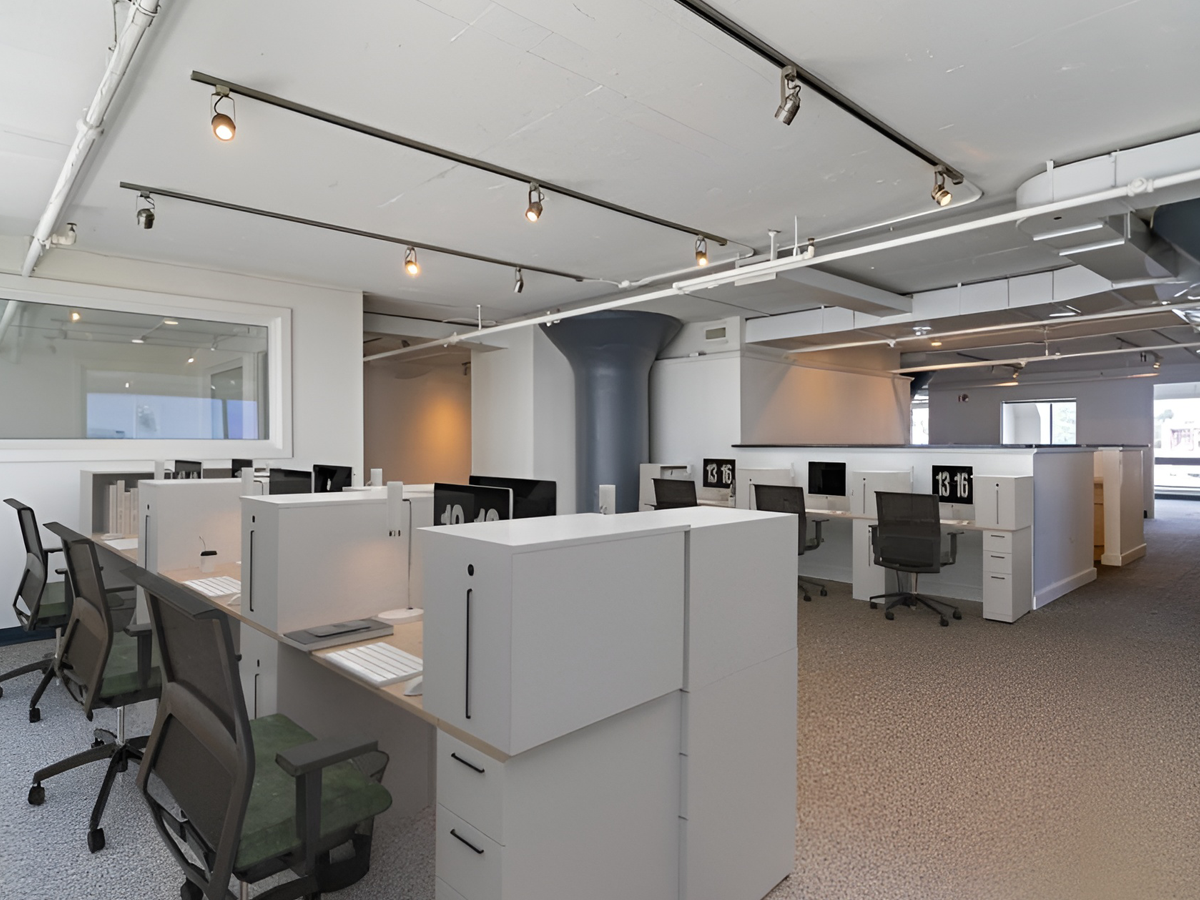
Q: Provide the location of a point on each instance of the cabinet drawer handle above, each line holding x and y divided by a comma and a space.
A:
478, 850
999, 577
994, 556
467, 656
467, 764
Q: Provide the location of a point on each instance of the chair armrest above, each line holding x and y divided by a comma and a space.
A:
314, 755
60, 572
143, 633
949, 560
53, 549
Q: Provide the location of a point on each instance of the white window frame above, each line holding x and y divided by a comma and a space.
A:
276, 319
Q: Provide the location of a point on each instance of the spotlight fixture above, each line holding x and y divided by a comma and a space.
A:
518, 282
941, 194
75, 317
701, 251
533, 212
191, 359
1017, 372
223, 125
145, 214
789, 95
411, 266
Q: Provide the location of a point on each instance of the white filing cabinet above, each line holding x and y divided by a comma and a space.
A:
1007, 573
537, 627
1003, 501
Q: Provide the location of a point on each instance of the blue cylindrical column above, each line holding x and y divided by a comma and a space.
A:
611, 353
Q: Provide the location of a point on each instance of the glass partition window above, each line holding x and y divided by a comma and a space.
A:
920, 418
1038, 422
76, 372
1177, 438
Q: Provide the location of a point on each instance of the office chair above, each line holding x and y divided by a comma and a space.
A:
100, 667
249, 798
674, 493
38, 603
786, 498
908, 539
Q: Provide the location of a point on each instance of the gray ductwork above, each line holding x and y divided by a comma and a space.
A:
611, 353
1119, 248
1179, 223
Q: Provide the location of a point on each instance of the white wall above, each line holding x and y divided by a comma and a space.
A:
523, 413
418, 430
326, 373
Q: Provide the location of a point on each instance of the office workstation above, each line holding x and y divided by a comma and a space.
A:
751, 456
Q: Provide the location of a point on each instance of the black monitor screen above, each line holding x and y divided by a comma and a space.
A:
330, 479
531, 498
290, 481
186, 468
235, 470
673, 493
454, 504
828, 478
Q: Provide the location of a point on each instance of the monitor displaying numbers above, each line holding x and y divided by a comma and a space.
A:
953, 484
454, 504
719, 473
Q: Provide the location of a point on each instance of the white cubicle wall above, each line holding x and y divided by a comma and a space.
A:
1121, 470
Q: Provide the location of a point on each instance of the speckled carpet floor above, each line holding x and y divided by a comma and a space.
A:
1057, 758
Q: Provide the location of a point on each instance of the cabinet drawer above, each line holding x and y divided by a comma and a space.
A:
1000, 541
471, 785
999, 563
466, 859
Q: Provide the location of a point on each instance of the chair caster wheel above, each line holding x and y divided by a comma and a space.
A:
824, 593
35, 715
874, 605
37, 795
807, 599
96, 742
123, 765
889, 615
957, 614
1, 692
943, 622
190, 891
96, 840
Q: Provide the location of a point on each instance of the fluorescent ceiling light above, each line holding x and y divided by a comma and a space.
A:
1065, 232
1088, 248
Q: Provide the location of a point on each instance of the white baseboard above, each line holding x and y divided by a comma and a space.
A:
1121, 559
1063, 586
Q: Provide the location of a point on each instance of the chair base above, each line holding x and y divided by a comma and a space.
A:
910, 599
806, 583
42, 666
105, 746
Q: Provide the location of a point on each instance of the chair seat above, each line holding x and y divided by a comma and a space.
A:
52, 611
121, 672
347, 796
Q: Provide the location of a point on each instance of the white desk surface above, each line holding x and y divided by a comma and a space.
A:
968, 524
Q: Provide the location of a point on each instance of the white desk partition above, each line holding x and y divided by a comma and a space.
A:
1121, 471
179, 519
745, 479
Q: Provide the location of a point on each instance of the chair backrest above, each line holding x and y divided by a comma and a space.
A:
201, 748
909, 535
674, 493
87, 640
35, 574
783, 498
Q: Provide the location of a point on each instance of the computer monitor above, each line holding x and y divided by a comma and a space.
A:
330, 479
531, 498
827, 478
290, 481
235, 469
674, 493
454, 504
186, 468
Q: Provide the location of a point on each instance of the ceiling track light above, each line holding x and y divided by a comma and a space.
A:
518, 282
533, 211
941, 194
223, 124
701, 251
789, 95
148, 191
411, 266
443, 153
145, 214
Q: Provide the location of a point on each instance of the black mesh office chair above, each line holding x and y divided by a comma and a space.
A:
786, 498
39, 603
249, 798
674, 493
101, 667
908, 539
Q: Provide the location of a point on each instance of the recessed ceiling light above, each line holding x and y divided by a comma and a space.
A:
75, 317
138, 341
191, 359
935, 343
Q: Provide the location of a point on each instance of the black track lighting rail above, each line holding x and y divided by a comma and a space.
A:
421, 147
754, 43
343, 229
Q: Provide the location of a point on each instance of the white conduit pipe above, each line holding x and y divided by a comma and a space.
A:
1021, 361
141, 14
10, 312
786, 264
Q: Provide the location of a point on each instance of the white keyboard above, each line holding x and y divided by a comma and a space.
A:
379, 664
220, 586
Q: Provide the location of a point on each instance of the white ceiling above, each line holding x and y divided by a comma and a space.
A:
636, 101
